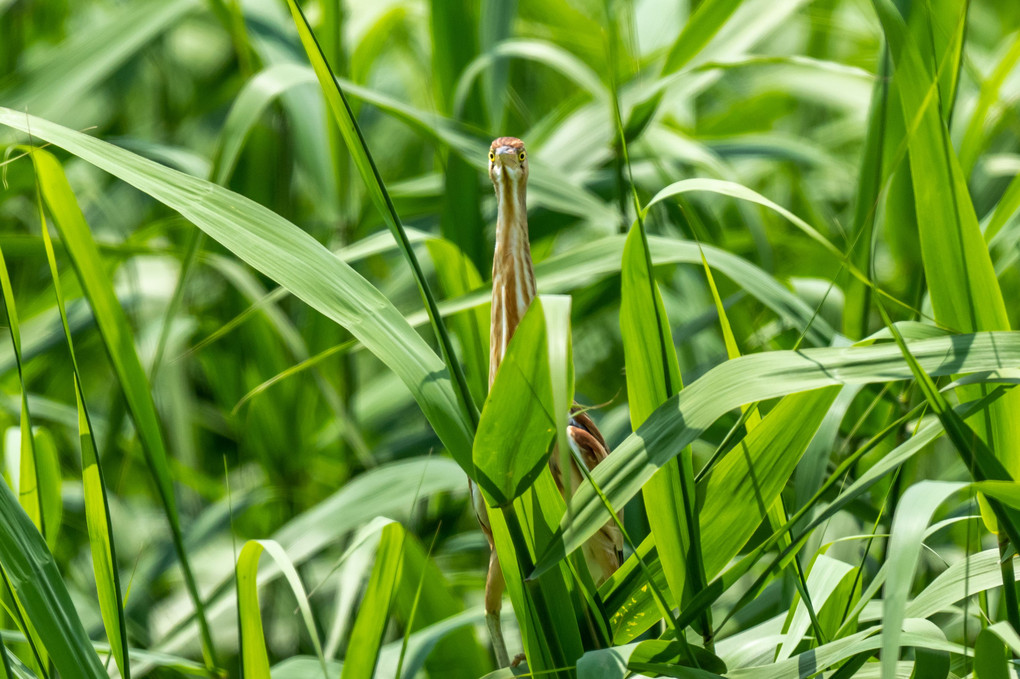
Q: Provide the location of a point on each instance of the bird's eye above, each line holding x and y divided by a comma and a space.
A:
492, 156
521, 156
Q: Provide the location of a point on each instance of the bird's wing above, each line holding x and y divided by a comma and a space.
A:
604, 550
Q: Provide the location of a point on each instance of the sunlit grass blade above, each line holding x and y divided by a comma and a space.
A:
117, 336
41, 594
254, 657
964, 290
754, 378
47, 460
653, 375
919, 503
97, 507
373, 616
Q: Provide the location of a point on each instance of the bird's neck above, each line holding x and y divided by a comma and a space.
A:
513, 276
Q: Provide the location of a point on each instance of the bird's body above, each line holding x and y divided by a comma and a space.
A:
513, 289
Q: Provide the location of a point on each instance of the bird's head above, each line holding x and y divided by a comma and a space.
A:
508, 162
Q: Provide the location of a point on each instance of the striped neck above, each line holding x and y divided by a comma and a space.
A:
513, 276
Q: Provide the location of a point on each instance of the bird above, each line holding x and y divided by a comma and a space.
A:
513, 289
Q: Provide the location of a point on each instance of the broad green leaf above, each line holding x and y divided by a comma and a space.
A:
518, 422
747, 481
992, 651
755, 378
120, 348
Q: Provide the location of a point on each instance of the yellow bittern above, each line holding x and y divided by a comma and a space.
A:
513, 288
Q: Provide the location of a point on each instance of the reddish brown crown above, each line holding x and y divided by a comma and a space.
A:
512, 142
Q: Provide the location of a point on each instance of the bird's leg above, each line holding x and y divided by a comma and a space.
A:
494, 585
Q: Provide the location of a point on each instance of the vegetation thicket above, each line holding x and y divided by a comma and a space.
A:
244, 255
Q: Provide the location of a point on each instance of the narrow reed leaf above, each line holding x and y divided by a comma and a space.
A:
965, 293
97, 506
119, 343
283, 252
754, 378
254, 658
373, 615
357, 146
653, 376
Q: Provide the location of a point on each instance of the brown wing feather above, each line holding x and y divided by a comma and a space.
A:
604, 550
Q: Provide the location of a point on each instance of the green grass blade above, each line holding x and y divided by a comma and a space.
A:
28, 480
117, 337
915, 511
653, 375
965, 293
254, 658
294, 259
370, 625
358, 148
755, 378
97, 507
41, 593
699, 30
